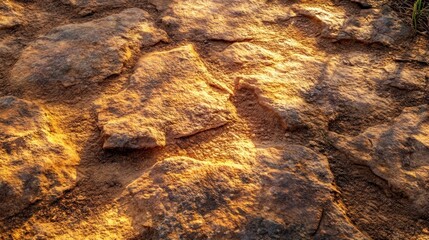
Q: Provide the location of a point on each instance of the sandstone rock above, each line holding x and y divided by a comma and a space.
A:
88, 6
371, 3
370, 26
81, 54
248, 55
282, 193
376, 26
279, 84
396, 152
10, 15
36, 163
171, 95
408, 79
220, 20
350, 89
331, 20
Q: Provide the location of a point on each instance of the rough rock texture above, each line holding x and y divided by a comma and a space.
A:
279, 87
396, 152
370, 26
171, 95
10, 15
210, 119
220, 20
81, 54
281, 191
36, 163
86, 7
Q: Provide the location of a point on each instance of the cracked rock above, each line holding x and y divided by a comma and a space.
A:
35, 161
85, 53
171, 95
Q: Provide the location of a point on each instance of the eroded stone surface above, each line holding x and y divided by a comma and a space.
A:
379, 25
171, 95
10, 15
36, 163
308, 91
281, 192
280, 83
81, 54
397, 152
89, 6
217, 19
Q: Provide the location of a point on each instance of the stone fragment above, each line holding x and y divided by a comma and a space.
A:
381, 25
220, 20
282, 193
10, 14
248, 55
36, 164
376, 26
89, 6
279, 84
84, 53
171, 95
397, 152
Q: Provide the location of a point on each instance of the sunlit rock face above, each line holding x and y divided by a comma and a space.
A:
171, 95
370, 26
397, 152
217, 19
10, 15
211, 119
281, 191
279, 82
82, 54
86, 7
307, 91
36, 164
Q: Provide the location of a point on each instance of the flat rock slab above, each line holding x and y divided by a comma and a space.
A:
216, 19
85, 53
379, 25
35, 162
171, 95
397, 152
89, 6
308, 91
279, 82
283, 191
10, 14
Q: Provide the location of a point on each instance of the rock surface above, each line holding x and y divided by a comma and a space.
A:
171, 95
379, 25
10, 14
183, 197
396, 152
86, 7
83, 54
220, 20
209, 119
36, 163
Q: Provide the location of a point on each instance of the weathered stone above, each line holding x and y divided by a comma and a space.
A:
36, 163
279, 84
81, 54
171, 95
217, 19
89, 6
350, 88
376, 26
282, 193
397, 152
248, 55
10, 15
381, 26
408, 79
